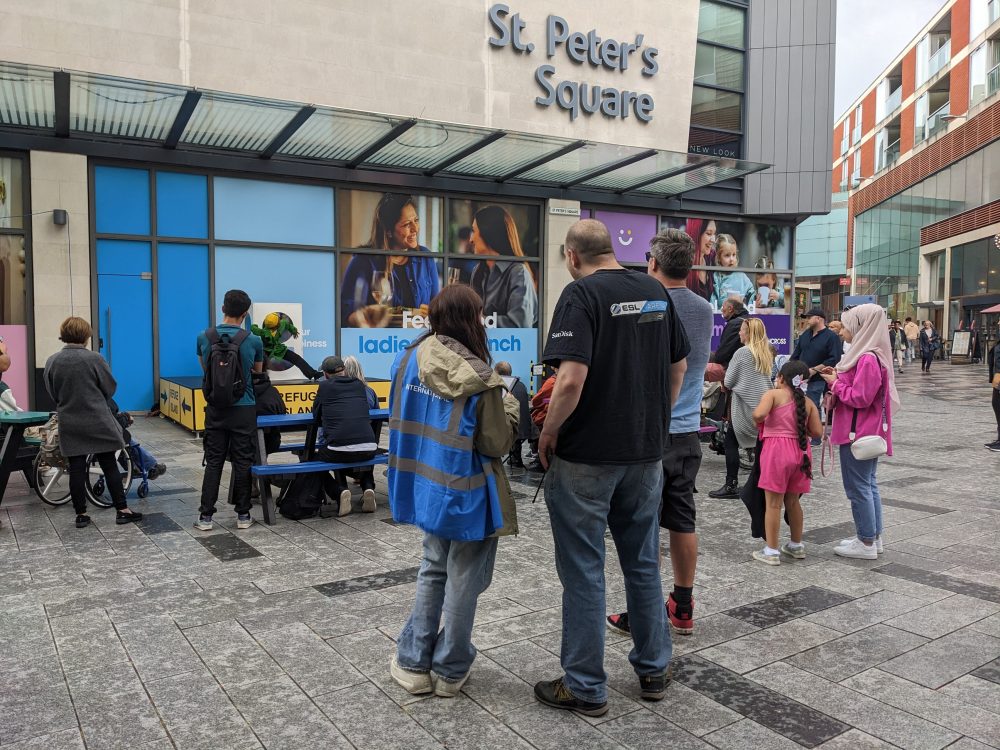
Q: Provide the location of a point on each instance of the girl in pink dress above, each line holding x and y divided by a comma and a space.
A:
788, 419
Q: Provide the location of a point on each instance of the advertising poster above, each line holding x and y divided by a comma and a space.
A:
16, 339
279, 325
385, 296
630, 233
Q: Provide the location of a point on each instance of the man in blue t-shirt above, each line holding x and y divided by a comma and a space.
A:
670, 257
229, 431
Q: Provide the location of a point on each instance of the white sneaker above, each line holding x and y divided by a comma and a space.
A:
759, 554
244, 522
857, 549
446, 688
799, 553
368, 501
203, 524
345, 503
415, 683
878, 544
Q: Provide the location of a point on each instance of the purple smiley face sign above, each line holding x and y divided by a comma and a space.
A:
630, 234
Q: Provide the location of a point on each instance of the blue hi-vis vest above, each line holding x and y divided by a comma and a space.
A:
437, 480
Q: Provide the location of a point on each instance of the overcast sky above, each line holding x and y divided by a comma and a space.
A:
870, 33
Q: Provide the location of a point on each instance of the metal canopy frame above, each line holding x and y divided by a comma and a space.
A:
86, 112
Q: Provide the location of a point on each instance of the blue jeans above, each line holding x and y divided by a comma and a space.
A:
583, 501
815, 391
451, 578
146, 460
861, 488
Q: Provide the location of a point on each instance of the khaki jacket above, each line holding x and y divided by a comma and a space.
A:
449, 369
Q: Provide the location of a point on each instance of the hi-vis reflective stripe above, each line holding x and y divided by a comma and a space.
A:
408, 427
463, 484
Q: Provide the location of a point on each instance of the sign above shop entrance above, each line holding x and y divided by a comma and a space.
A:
581, 47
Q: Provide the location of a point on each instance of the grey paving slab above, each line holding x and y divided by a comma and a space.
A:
692, 711
871, 716
778, 609
857, 740
865, 611
941, 581
232, 654
990, 671
975, 691
838, 659
749, 735
382, 723
945, 659
369, 583
461, 722
68, 739
553, 729
227, 547
770, 708
771, 644
309, 660
941, 708
644, 729
946, 616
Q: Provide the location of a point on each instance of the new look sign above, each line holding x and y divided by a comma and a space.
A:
588, 48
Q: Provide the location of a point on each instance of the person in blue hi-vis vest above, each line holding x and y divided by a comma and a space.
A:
450, 423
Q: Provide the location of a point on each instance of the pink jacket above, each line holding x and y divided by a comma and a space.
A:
861, 388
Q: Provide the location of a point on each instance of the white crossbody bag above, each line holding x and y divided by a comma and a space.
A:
867, 447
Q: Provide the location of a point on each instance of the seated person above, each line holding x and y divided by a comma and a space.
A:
341, 408
268, 403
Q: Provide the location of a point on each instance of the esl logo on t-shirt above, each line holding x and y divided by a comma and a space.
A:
638, 308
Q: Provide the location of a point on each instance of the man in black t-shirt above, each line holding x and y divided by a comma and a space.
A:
620, 350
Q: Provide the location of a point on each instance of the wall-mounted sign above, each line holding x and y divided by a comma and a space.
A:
581, 47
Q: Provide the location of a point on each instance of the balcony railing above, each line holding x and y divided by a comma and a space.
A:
993, 10
888, 156
843, 145
938, 121
894, 99
993, 79
939, 59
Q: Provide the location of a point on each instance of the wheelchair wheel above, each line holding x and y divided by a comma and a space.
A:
97, 487
143, 490
51, 482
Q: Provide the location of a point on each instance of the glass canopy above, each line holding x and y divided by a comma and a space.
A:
70, 104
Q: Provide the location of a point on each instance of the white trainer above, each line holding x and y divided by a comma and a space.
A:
447, 688
345, 503
415, 683
368, 501
761, 556
857, 549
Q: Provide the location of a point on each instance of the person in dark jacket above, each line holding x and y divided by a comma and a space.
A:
818, 347
269, 403
993, 359
930, 342
735, 313
524, 430
81, 384
341, 407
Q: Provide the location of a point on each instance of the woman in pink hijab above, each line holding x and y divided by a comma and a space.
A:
864, 392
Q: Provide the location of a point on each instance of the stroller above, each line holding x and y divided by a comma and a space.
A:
51, 469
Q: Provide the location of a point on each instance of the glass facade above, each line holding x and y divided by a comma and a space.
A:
975, 268
887, 236
717, 104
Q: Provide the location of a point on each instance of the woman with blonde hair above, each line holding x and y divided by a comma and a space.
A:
748, 378
352, 369
507, 287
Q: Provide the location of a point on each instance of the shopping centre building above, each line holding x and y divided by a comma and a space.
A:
343, 161
916, 165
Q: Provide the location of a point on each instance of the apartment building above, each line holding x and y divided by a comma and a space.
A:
918, 159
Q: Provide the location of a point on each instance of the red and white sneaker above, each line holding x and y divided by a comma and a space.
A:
681, 616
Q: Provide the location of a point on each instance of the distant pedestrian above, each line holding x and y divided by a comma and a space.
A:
818, 347
524, 424
994, 363
866, 400
788, 420
912, 332
930, 342
897, 340
81, 384
621, 350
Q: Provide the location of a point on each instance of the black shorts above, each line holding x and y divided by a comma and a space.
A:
681, 461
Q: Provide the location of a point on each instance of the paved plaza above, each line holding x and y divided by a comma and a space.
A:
156, 636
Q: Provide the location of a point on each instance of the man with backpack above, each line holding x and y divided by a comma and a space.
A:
229, 355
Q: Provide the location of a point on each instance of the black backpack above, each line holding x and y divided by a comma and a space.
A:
302, 497
224, 382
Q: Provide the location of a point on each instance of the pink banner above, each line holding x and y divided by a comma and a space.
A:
16, 339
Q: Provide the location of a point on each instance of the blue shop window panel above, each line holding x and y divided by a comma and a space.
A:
275, 276
123, 258
181, 205
121, 200
182, 305
264, 211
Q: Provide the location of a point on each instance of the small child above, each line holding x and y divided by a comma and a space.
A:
767, 282
789, 419
734, 284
